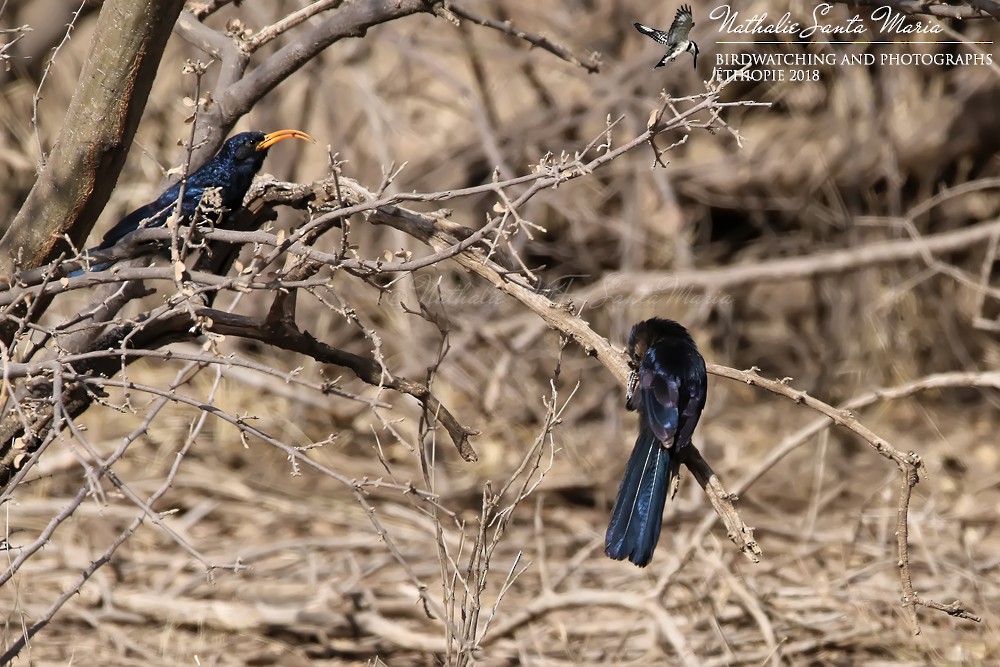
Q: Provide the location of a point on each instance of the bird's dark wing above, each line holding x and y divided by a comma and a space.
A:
635, 521
692, 397
679, 29
672, 384
657, 35
660, 393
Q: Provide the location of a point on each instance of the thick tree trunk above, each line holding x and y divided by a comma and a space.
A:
76, 180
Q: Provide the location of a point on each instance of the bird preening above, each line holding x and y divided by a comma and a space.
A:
668, 387
230, 172
676, 39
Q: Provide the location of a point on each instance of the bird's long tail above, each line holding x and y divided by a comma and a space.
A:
635, 521
94, 268
153, 214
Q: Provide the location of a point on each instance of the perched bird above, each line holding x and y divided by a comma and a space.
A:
668, 388
231, 171
676, 39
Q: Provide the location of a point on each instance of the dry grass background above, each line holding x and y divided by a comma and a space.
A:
832, 164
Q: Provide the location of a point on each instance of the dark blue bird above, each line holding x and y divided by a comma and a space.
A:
231, 171
668, 387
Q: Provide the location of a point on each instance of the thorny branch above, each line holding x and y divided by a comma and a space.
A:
238, 91
47, 395
909, 465
50, 384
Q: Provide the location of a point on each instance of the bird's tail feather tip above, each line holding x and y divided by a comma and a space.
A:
642, 559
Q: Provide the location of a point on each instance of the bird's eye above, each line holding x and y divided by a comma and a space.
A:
245, 151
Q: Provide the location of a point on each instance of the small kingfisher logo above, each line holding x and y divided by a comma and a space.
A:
676, 39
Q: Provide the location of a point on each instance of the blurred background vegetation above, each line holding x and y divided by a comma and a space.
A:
863, 155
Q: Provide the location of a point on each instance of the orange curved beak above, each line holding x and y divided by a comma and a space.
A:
274, 137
